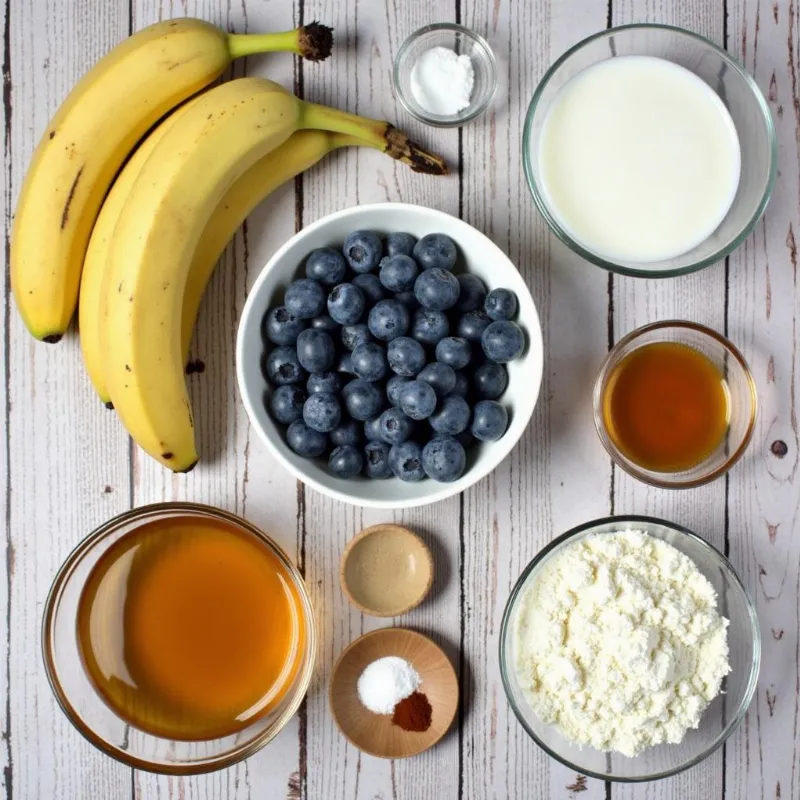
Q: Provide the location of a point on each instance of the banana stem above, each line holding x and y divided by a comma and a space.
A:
378, 134
337, 140
313, 41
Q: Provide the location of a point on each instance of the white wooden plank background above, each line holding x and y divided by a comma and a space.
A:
66, 464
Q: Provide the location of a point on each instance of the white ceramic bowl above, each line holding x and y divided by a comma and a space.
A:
478, 255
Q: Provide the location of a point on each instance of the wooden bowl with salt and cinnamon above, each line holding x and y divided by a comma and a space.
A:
407, 681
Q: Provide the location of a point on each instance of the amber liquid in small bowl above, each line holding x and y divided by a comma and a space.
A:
666, 407
191, 628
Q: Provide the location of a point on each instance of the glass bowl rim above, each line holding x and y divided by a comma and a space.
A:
599, 261
436, 120
648, 476
66, 570
732, 574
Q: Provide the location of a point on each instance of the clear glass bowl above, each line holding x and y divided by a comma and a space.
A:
739, 383
737, 90
89, 713
720, 718
461, 40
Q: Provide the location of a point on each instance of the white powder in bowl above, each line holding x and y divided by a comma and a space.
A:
619, 643
385, 682
442, 81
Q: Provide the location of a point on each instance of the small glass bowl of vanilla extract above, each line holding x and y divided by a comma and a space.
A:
178, 638
675, 404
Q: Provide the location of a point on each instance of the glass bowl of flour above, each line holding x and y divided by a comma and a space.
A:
629, 649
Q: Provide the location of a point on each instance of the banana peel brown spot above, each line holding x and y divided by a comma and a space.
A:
70, 196
52, 134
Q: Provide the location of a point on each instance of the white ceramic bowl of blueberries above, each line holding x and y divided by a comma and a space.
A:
389, 355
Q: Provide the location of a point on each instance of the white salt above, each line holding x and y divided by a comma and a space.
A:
441, 81
385, 682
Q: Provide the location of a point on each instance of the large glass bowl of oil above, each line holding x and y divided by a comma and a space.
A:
675, 404
178, 638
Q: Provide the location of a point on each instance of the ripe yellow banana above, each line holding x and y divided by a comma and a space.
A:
91, 135
299, 152
206, 151
93, 277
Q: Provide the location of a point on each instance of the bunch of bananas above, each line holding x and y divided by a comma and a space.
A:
134, 217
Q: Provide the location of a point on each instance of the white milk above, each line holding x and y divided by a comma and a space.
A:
639, 159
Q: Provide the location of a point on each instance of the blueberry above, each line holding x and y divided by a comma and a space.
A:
501, 304
461, 388
489, 421
406, 356
472, 325
372, 288
454, 351
400, 244
330, 382
490, 380
369, 361
451, 416
348, 431
325, 322
376, 461
305, 299
417, 399
286, 404
363, 250
441, 377
346, 303
346, 461
430, 327
322, 412
280, 327
354, 335
393, 387
437, 289
304, 441
435, 251
388, 320
363, 400
398, 273
443, 459
372, 430
405, 461
284, 367
345, 364
502, 341
408, 299
315, 350
395, 427
473, 292
326, 265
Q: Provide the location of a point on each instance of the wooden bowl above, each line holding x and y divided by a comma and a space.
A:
386, 570
376, 734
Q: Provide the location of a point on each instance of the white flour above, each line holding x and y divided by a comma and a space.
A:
619, 643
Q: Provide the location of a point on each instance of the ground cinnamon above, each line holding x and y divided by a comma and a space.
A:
413, 713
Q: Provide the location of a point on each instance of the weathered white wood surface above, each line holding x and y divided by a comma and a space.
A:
67, 465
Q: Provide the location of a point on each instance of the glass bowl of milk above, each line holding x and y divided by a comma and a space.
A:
649, 151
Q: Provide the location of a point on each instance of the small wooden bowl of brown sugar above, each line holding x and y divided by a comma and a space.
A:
393, 693
386, 570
